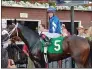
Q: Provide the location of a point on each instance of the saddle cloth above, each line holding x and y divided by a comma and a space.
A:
55, 46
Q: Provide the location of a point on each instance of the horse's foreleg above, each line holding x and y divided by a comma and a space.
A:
39, 64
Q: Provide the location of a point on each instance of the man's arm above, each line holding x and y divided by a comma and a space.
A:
26, 52
11, 63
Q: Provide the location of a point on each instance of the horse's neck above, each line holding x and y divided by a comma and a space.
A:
28, 36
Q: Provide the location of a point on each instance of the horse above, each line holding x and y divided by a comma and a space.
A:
73, 46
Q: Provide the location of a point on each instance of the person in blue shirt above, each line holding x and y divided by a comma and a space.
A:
54, 23
54, 29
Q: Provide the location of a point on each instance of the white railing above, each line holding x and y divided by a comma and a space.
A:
44, 5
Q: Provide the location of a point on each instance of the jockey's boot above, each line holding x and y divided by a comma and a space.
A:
46, 39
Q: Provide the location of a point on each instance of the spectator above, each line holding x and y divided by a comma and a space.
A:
11, 63
64, 31
86, 32
81, 31
25, 50
5, 61
89, 34
42, 28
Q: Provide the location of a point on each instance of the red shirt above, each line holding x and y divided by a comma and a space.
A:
25, 48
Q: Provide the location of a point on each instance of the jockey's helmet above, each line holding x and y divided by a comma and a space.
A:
51, 9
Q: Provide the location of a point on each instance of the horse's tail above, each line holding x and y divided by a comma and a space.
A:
89, 62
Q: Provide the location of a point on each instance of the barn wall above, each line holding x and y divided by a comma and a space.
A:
85, 17
33, 14
40, 14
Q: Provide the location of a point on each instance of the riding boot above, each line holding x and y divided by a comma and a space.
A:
46, 39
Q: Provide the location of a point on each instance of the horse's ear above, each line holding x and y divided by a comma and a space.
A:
14, 21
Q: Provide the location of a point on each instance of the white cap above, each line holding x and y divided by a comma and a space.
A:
63, 25
80, 27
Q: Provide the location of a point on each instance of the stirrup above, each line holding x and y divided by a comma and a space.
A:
47, 43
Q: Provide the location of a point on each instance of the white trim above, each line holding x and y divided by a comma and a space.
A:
28, 20
22, 19
39, 21
79, 21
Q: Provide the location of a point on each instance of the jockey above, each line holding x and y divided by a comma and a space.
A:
54, 30
54, 23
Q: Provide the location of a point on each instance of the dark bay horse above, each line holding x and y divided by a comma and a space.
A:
76, 47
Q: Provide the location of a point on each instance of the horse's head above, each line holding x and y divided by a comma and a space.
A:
13, 31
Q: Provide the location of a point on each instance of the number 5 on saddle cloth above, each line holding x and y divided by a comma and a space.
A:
54, 44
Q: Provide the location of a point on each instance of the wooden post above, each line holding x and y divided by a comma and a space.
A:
72, 28
72, 19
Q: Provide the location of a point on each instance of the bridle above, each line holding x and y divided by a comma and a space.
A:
7, 38
11, 32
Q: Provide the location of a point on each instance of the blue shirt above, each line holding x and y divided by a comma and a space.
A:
54, 25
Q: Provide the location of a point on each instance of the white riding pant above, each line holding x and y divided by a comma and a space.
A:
51, 35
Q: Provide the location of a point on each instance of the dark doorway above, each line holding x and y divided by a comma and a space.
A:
31, 24
9, 22
68, 27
